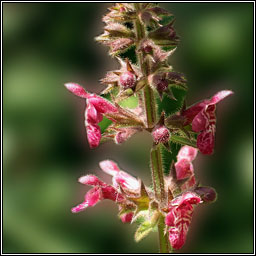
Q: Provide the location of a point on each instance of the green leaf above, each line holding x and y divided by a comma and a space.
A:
141, 217
144, 229
104, 124
150, 221
183, 141
168, 48
130, 102
171, 106
129, 53
166, 19
169, 156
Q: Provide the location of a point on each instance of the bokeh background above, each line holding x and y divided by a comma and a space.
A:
44, 141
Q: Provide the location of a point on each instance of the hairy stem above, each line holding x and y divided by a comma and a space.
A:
163, 238
150, 109
157, 174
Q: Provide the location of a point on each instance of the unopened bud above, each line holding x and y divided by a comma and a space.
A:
160, 83
161, 134
127, 80
148, 49
124, 134
207, 194
122, 9
126, 217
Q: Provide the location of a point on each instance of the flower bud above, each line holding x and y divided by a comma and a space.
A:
159, 82
162, 85
127, 80
166, 32
148, 49
207, 194
161, 134
124, 134
127, 217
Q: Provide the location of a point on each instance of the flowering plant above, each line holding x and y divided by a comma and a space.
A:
146, 30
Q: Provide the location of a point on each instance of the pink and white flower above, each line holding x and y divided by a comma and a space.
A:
203, 120
184, 167
120, 178
102, 190
179, 218
95, 109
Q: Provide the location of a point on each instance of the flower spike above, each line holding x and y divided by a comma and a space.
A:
146, 94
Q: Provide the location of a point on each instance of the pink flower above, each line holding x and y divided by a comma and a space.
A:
183, 166
120, 178
179, 218
101, 190
96, 107
203, 119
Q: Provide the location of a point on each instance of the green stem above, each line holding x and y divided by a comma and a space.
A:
163, 239
156, 159
157, 174
149, 100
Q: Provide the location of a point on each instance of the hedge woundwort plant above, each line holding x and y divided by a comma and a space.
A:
141, 37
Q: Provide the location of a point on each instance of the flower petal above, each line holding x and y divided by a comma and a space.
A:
93, 135
77, 89
92, 116
102, 105
127, 181
200, 122
109, 167
177, 238
219, 96
126, 217
192, 111
187, 152
79, 207
91, 180
205, 141
109, 192
169, 219
184, 169
91, 198
186, 198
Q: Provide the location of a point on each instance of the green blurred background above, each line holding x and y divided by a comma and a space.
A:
44, 141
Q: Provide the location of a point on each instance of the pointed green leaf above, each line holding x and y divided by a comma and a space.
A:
171, 106
104, 124
183, 141
144, 229
169, 156
130, 102
148, 225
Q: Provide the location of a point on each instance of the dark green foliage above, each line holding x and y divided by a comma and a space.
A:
130, 54
169, 156
171, 106
166, 19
